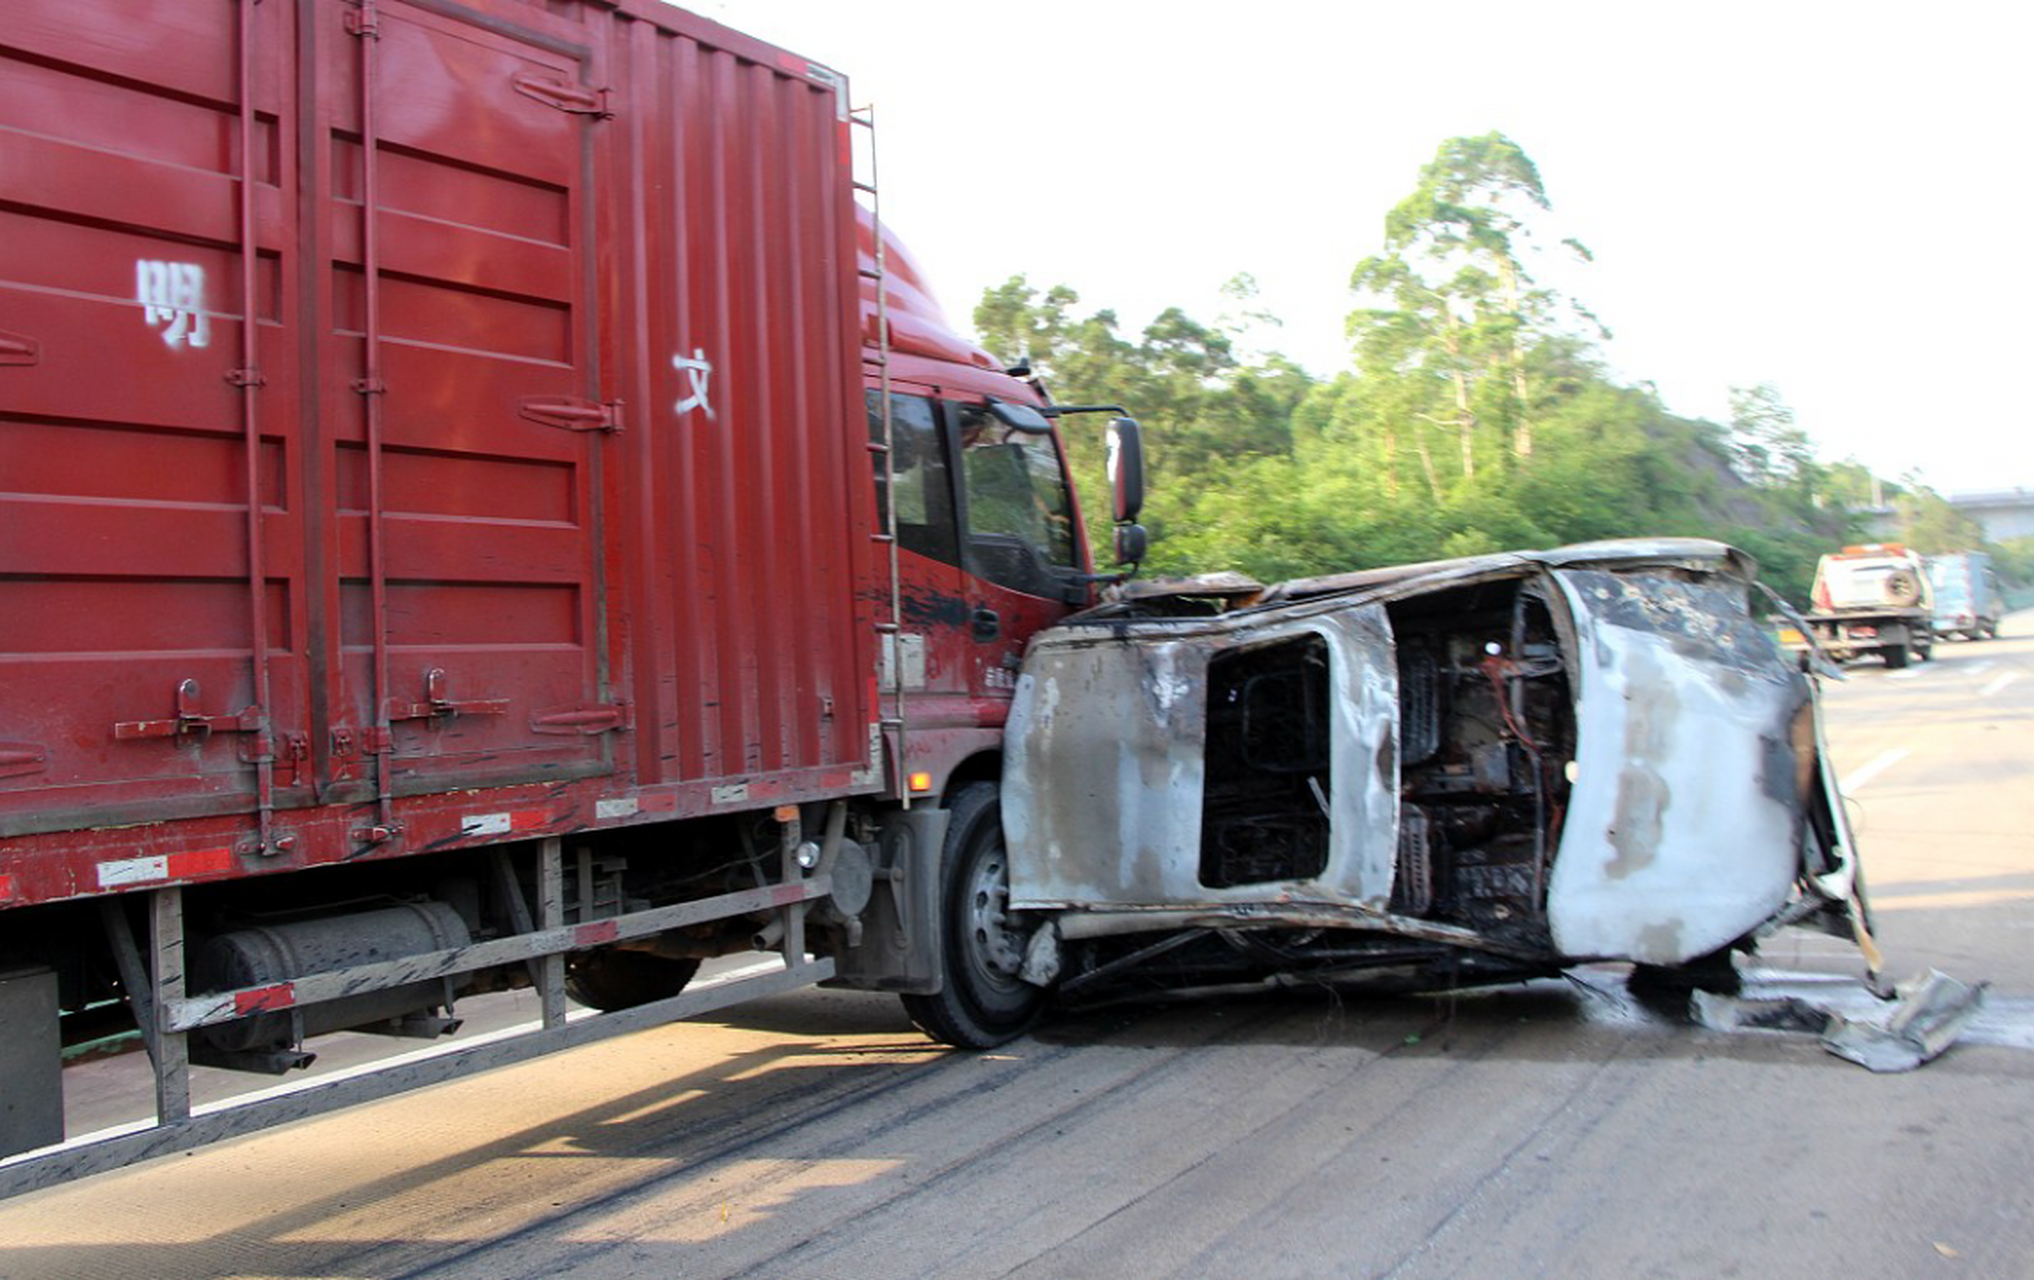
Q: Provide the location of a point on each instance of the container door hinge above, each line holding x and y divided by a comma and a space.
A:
363, 21
438, 703
295, 755
246, 378
18, 350
565, 96
585, 721
191, 724
570, 413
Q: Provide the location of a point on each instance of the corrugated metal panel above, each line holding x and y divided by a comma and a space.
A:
126, 627
753, 634
559, 426
464, 524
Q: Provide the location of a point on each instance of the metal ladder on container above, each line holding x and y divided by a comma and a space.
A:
889, 632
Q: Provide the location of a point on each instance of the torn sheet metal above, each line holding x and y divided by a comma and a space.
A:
1933, 1011
1930, 1014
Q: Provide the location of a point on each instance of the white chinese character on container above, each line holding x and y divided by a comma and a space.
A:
173, 294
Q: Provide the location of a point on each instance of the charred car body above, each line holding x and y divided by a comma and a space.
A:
1431, 775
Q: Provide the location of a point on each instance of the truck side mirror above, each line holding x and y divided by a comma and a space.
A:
1019, 417
1126, 469
1131, 543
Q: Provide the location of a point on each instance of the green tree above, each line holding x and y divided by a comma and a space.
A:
1210, 412
1458, 316
1477, 417
1766, 446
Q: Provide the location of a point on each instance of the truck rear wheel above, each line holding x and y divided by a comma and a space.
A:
981, 1002
1896, 656
608, 979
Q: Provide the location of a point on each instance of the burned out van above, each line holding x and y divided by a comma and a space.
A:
1435, 774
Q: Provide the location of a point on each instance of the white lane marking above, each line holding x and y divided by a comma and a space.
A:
1865, 773
1998, 683
1976, 669
1911, 673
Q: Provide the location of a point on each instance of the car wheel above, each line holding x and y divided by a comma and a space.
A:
981, 1002
608, 979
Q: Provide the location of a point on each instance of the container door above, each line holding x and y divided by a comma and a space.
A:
463, 400
151, 616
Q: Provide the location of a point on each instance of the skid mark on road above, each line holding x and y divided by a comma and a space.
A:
1858, 777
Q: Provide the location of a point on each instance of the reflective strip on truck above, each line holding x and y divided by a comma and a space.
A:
173, 866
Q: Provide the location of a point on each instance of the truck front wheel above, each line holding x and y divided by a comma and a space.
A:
981, 1002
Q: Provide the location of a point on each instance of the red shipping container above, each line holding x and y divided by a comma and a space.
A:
551, 403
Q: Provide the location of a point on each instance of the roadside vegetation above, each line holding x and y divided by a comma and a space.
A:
1477, 414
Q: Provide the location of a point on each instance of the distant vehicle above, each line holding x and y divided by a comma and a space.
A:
1968, 601
1869, 599
1431, 775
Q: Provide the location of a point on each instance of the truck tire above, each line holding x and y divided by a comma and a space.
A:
608, 979
1896, 656
981, 1002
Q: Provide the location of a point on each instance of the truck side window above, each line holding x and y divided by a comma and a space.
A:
925, 522
1020, 530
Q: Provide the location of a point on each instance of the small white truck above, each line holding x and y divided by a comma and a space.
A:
1871, 599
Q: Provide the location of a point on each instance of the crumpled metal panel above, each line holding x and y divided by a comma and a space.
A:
1105, 748
1673, 846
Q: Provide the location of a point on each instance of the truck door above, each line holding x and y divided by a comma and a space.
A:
1020, 543
462, 404
932, 653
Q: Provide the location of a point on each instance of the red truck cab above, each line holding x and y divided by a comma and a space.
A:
990, 545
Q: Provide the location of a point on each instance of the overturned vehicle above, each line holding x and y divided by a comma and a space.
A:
1427, 776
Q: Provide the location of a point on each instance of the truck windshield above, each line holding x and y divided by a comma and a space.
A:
1946, 576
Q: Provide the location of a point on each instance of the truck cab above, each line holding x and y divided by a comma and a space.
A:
1967, 598
990, 543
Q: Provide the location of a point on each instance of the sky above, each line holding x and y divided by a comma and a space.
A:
1825, 197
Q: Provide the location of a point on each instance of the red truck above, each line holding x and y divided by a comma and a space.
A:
482, 504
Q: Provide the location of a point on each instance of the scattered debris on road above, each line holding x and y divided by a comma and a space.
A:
1930, 1013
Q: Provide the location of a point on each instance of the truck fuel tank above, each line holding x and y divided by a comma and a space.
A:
264, 954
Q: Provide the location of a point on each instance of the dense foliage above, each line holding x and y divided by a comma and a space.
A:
1476, 416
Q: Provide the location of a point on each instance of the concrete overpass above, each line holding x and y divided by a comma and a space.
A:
2002, 513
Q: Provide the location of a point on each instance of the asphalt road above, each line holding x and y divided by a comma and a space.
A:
1558, 1129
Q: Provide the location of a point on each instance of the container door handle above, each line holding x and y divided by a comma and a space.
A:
16, 349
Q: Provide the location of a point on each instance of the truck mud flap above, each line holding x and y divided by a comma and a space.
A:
900, 943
